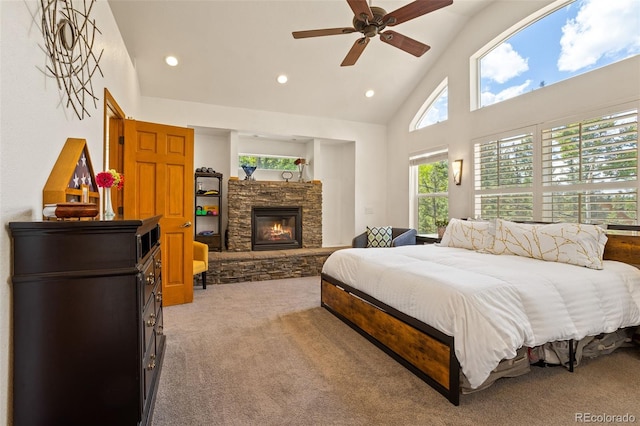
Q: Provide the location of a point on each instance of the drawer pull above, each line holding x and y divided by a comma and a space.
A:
158, 263
152, 320
159, 297
159, 331
151, 279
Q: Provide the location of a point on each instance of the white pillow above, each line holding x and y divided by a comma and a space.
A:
467, 234
573, 243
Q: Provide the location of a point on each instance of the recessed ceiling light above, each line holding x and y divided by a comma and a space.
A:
369, 93
171, 61
282, 79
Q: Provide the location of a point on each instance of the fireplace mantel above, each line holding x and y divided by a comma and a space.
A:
242, 195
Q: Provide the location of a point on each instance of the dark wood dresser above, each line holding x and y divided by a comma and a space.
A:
87, 321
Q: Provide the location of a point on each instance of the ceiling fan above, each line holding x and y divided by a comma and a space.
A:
371, 21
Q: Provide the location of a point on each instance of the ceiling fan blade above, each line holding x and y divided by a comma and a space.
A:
360, 7
355, 52
413, 10
324, 32
405, 43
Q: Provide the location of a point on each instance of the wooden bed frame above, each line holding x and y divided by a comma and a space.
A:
425, 351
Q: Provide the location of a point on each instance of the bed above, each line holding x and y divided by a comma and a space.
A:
453, 314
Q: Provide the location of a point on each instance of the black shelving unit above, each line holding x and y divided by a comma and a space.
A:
207, 226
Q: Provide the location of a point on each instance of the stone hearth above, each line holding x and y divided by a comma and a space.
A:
234, 267
239, 263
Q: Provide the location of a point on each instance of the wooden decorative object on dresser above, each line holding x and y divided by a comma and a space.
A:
87, 321
72, 178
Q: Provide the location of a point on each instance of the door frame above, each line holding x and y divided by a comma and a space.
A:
112, 149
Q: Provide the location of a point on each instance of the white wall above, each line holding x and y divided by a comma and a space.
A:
213, 150
34, 126
612, 85
338, 182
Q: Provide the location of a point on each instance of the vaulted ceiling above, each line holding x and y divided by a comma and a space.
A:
231, 53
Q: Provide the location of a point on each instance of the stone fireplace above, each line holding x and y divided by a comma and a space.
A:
276, 228
245, 196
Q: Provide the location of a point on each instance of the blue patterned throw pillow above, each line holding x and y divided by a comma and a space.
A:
379, 236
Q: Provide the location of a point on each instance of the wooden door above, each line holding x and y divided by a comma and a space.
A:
158, 170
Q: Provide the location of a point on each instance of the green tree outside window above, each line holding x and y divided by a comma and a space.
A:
433, 201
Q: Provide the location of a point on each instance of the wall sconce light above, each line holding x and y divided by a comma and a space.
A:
456, 168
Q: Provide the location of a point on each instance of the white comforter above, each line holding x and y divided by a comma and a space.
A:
492, 305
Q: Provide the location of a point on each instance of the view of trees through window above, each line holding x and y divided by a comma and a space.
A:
268, 162
504, 178
432, 200
579, 37
589, 173
600, 152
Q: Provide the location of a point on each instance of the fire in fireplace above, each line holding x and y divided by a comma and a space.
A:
276, 228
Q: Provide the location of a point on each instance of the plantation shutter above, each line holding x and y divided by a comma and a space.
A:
503, 168
504, 163
590, 168
599, 150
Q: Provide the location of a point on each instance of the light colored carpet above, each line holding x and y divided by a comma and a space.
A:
266, 353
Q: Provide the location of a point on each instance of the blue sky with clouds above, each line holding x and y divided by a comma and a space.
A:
577, 38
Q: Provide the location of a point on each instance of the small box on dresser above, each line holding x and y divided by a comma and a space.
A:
87, 321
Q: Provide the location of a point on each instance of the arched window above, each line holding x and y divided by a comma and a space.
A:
561, 41
434, 110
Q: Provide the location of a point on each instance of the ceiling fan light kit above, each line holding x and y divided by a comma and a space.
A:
371, 21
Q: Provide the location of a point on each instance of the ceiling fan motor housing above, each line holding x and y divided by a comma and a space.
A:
370, 28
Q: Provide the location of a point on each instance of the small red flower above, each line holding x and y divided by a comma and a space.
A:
109, 179
104, 179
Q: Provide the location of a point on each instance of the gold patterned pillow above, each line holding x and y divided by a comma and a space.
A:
468, 234
573, 243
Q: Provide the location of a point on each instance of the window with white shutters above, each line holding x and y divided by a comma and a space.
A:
504, 177
581, 170
590, 170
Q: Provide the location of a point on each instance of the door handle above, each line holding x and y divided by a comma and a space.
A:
186, 225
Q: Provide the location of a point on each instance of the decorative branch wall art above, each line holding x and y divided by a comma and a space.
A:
69, 36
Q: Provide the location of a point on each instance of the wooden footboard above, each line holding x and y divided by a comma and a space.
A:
425, 351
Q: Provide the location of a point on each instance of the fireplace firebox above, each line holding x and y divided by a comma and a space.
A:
276, 228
